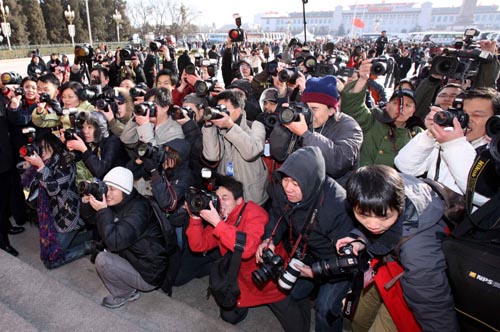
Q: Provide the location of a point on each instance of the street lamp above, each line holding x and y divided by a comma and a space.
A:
5, 26
118, 18
88, 21
70, 16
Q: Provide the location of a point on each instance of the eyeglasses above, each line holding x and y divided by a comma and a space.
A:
446, 96
119, 102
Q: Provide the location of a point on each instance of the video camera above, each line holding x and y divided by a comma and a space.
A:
445, 118
238, 34
199, 199
11, 78
94, 188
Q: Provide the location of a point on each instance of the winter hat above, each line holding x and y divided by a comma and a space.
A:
121, 179
269, 94
321, 90
405, 92
243, 85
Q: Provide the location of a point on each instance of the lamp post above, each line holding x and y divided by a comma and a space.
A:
70, 16
5, 26
118, 18
88, 21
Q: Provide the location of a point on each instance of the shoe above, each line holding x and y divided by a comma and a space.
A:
93, 248
11, 250
13, 230
116, 302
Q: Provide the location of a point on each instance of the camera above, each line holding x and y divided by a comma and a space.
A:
107, 99
156, 44
445, 118
19, 91
459, 64
90, 93
44, 97
238, 34
177, 113
272, 267
96, 189
289, 277
199, 199
11, 78
379, 66
190, 69
214, 113
493, 130
291, 113
140, 90
127, 52
70, 133
203, 88
28, 150
339, 265
289, 75
83, 53
149, 151
142, 109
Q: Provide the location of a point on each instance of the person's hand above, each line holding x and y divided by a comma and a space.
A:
357, 247
447, 134
76, 144
169, 163
190, 214
211, 216
35, 160
107, 115
148, 165
165, 52
305, 270
299, 128
301, 82
267, 243
185, 118
429, 119
192, 78
96, 204
488, 45
364, 70
15, 101
225, 122
86, 199
142, 119
218, 88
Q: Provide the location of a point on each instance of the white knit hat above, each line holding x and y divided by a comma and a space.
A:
120, 178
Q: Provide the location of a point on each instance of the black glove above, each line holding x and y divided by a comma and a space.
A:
56, 107
148, 165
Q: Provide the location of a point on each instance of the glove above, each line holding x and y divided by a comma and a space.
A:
56, 107
148, 165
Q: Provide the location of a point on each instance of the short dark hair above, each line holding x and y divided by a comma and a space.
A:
484, 93
228, 182
28, 78
102, 70
375, 189
236, 99
50, 78
73, 85
170, 74
162, 96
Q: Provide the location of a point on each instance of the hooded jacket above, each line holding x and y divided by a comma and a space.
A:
424, 282
307, 167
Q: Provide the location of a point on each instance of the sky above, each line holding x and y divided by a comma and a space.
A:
221, 12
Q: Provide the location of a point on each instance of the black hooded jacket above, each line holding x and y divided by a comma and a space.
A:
332, 222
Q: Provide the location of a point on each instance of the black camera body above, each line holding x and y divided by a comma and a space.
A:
272, 268
107, 99
71, 133
94, 188
203, 87
445, 118
91, 93
149, 151
127, 52
44, 97
28, 150
493, 131
138, 91
289, 75
291, 113
157, 43
11, 78
84, 53
199, 199
177, 113
237, 35
337, 266
19, 91
214, 113
142, 109
379, 66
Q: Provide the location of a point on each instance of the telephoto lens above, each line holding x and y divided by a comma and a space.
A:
289, 277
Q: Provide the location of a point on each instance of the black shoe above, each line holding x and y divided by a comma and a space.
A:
13, 230
95, 248
11, 250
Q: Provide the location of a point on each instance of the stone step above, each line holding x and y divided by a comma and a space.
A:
10, 321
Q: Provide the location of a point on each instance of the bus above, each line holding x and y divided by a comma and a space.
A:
436, 37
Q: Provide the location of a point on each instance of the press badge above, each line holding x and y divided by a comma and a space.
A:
267, 149
229, 169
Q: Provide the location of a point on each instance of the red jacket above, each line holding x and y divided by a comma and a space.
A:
254, 219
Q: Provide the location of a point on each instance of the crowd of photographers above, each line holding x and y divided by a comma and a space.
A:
144, 160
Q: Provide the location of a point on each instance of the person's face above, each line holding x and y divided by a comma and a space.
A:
197, 111
270, 106
46, 87
47, 152
479, 111
114, 196
321, 113
127, 84
94, 77
245, 69
376, 224
204, 73
88, 132
122, 108
446, 96
234, 113
164, 81
227, 201
394, 111
70, 99
30, 90
135, 62
292, 189
36, 59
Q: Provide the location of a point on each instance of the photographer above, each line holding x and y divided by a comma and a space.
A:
400, 226
337, 135
70, 97
386, 131
166, 79
236, 145
307, 213
124, 109
446, 153
136, 258
235, 214
185, 86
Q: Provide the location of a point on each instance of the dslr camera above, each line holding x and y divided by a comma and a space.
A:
149, 151
379, 66
94, 188
272, 268
199, 199
214, 113
30, 148
127, 52
142, 109
84, 53
238, 34
140, 90
339, 265
445, 118
203, 88
291, 113
11, 78
91, 93
177, 113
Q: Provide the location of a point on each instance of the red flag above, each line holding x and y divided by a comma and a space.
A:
358, 23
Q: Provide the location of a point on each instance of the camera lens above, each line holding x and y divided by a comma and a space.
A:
291, 274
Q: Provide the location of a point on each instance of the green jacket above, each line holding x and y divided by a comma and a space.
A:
377, 147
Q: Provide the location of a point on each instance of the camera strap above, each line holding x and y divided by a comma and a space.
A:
238, 220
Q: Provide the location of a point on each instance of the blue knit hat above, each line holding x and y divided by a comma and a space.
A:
321, 90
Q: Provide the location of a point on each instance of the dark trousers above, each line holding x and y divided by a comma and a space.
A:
17, 203
195, 265
5, 184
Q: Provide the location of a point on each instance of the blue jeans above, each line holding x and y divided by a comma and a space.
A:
73, 245
328, 302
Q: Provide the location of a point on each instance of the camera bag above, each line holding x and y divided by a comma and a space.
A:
223, 278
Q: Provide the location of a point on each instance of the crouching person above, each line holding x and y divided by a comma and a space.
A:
233, 215
136, 258
401, 227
